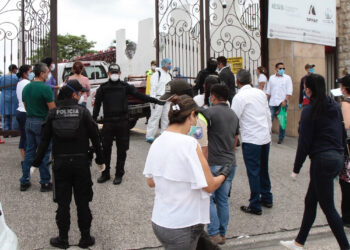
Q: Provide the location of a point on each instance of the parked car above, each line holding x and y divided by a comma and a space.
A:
96, 71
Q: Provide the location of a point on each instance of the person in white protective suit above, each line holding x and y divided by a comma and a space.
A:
158, 82
8, 239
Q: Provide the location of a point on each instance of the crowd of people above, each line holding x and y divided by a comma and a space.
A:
192, 164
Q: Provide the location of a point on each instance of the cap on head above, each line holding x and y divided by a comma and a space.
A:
176, 87
75, 86
114, 68
165, 62
309, 66
345, 81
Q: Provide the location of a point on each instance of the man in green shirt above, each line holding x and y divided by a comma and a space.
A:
38, 99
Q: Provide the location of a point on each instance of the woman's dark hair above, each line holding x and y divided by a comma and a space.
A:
262, 70
209, 82
47, 61
181, 108
23, 69
78, 67
317, 85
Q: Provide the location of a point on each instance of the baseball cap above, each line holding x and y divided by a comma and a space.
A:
114, 68
309, 66
344, 80
176, 87
75, 86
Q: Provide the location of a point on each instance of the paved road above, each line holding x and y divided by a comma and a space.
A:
122, 213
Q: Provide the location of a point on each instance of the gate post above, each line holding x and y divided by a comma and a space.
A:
157, 32
53, 36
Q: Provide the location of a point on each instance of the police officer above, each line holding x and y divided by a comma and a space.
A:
114, 97
70, 126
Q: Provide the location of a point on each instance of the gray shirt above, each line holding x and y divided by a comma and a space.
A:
222, 129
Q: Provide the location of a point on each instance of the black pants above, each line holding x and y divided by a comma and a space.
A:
345, 201
72, 174
119, 131
324, 168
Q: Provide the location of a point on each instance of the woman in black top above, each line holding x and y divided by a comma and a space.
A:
321, 137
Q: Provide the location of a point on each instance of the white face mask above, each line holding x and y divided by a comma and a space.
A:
53, 66
114, 77
153, 67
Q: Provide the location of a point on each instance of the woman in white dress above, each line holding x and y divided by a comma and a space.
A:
180, 174
262, 79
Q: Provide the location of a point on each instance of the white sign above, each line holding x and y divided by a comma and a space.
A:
311, 21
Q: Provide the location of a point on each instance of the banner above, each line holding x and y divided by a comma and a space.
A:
312, 21
236, 63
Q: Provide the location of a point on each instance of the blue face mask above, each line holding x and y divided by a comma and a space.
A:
312, 70
192, 131
281, 72
31, 76
169, 67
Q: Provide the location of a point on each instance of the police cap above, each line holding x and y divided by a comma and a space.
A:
75, 86
114, 68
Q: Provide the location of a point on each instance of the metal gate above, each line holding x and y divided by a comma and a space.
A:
28, 33
190, 31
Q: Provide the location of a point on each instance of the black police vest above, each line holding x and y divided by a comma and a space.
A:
115, 100
67, 120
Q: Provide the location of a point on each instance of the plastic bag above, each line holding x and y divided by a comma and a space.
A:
8, 239
282, 117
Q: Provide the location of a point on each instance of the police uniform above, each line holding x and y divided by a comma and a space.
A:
114, 97
70, 126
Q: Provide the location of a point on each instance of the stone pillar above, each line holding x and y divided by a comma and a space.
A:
343, 7
295, 55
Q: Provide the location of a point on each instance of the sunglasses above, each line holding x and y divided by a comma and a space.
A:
282, 68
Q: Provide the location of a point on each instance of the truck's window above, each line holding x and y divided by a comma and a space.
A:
91, 72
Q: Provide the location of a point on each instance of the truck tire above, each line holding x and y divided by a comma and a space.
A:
132, 123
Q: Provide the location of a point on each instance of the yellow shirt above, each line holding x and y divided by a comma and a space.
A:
149, 73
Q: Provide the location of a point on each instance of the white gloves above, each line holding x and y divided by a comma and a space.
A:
294, 176
101, 167
32, 170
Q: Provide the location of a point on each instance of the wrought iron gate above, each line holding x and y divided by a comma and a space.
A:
190, 31
28, 32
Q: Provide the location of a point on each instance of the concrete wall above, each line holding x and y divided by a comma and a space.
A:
343, 9
145, 51
295, 55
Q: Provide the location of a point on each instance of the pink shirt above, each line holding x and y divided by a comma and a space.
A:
83, 81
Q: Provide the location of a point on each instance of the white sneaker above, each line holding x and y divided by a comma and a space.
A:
290, 244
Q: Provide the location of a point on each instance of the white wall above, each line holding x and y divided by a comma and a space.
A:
145, 51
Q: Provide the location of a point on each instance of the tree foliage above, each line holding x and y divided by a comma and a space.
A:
69, 46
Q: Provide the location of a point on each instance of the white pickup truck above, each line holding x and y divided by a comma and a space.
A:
96, 71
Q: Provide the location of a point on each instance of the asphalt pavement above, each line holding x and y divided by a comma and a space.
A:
121, 214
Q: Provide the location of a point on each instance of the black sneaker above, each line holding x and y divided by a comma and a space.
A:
47, 187
117, 180
250, 210
59, 242
103, 178
280, 141
25, 186
267, 205
86, 242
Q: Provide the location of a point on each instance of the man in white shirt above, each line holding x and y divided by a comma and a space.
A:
252, 109
279, 91
158, 82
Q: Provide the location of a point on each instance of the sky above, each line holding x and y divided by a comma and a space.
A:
99, 20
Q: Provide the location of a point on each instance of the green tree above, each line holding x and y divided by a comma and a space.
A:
69, 46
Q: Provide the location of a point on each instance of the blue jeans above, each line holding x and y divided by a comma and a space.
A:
256, 159
274, 111
9, 123
33, 130
220, 211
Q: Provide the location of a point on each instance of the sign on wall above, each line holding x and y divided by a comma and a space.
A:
236, 63
311, 21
